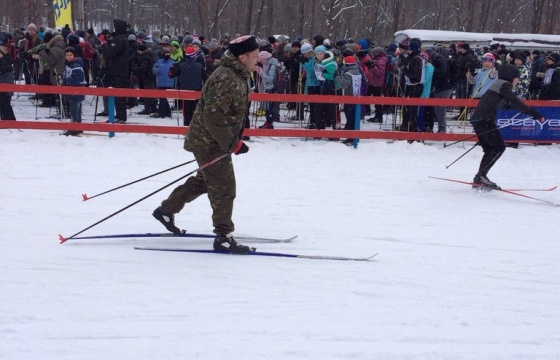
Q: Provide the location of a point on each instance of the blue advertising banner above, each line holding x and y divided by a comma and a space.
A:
517, 126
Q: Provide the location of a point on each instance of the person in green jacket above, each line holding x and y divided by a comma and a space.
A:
216, 130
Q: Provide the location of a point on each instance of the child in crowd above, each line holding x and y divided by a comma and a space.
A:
73, 76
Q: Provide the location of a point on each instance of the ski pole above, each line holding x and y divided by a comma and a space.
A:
466, 152
85, 197
64, 239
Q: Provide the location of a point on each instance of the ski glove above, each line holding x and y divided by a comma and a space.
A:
241, 148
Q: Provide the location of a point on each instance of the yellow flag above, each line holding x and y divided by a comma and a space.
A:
62, 12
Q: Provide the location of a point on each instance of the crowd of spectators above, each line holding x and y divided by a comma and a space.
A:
127, 58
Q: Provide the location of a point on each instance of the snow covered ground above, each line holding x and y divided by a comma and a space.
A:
460, 274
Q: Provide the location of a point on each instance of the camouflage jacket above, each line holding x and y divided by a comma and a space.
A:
219, 118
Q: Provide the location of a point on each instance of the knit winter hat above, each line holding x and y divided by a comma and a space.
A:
243, 45
196, 42
320, 49
305, 48
264, 55
165, 40
508, 72
32, 26
489, 56
131, 37
425, 56
213, 45
350, 60
288, 48
414, 46
175, 44
72, 50
554, 57
190, 52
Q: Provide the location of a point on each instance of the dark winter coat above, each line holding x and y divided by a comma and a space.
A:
467, 63
441, 81
144, 67
115, 51
6, 71
189, 74
500, 94
413, 69
551, 90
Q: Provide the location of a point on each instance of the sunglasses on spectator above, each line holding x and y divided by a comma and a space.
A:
487, 59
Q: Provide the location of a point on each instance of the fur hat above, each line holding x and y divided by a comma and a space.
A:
350, 60
243, 44
190, 52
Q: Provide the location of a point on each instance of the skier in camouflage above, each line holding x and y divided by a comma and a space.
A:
216, 128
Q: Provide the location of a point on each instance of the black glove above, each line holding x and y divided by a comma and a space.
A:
241, 148
47, 50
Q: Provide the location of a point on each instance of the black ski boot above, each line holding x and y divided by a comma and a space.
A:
228, 243
167, 219
483, 183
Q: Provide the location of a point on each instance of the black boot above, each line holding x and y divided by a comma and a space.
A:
482, 181
228, 243
167, 219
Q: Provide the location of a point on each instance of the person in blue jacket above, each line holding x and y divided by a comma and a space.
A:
163, 81
73, 76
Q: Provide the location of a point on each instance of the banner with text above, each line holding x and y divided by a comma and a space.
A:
517, 126
62, 13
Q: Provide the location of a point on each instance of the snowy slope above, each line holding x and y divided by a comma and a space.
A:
460, 274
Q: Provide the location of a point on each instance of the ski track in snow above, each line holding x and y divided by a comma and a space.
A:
460, 274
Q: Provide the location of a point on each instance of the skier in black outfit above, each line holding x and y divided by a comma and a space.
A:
499, 94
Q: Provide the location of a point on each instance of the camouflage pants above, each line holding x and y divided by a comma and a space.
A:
218, 181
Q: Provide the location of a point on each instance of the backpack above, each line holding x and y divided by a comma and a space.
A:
281, 81
87, 51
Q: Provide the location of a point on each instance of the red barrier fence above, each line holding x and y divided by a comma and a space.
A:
298, 133
190, 95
